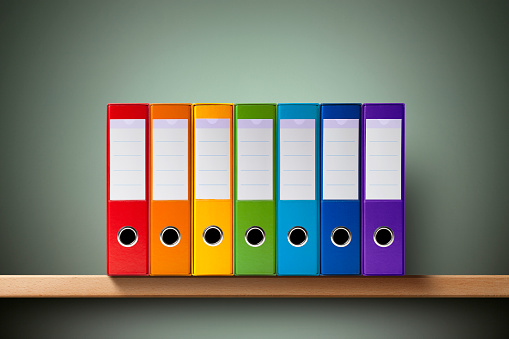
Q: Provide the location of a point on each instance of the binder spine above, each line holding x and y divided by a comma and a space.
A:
213, 189
383, 189
170, 189
298, 141
255, 206
127, 189
340, 199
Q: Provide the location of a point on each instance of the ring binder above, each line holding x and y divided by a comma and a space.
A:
170, 193
298, 189
255, 205
213, 189
126, 192
383, 202
340, 202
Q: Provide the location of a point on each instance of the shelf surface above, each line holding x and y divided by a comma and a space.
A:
100, 286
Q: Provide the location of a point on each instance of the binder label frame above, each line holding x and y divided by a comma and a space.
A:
127, 159
255, 159
340, 168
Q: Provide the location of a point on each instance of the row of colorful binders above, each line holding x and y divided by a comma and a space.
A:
255, 189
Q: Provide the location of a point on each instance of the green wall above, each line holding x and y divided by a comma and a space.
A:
62, 62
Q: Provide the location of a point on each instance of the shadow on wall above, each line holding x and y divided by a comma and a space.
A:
414, 210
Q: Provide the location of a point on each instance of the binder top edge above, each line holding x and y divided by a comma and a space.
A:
256, 104
341, 104
385, 104
171, 104
298, 104
129, 104
212, 104
383, 111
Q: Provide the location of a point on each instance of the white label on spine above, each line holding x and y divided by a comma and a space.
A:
340, 159
127, 159
297, 159
212, 159
383, 159
254, 159
170, 159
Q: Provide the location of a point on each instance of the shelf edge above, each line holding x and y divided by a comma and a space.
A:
99, 286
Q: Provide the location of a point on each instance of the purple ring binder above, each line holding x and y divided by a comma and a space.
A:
383, 205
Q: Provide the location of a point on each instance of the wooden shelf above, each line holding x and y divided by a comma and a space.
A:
99, 286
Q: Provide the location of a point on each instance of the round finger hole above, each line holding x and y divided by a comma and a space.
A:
341, 236
255, 236
212, 235
297, 236
127, 236
170, 236
383, 236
